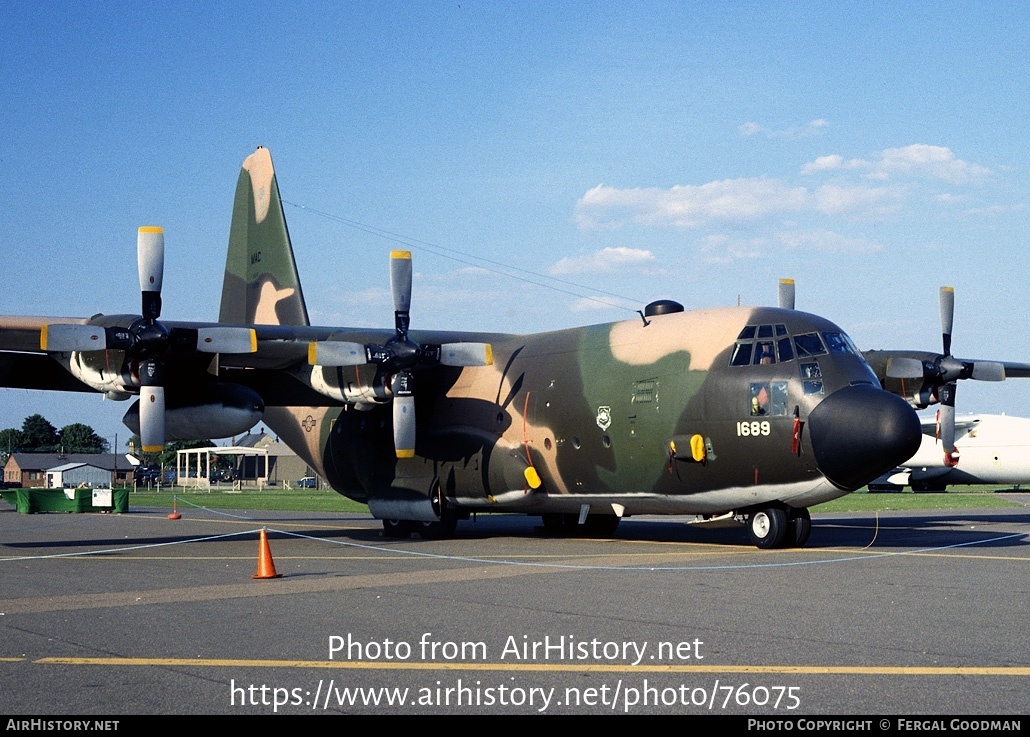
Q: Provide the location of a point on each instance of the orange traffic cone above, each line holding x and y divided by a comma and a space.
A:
266, 568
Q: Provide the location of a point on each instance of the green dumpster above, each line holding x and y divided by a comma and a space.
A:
30, 501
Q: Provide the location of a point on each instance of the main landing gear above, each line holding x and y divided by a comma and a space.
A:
779, 527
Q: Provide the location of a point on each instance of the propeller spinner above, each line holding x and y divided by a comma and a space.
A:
399, 356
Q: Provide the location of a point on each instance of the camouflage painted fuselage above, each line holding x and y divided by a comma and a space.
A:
593, 410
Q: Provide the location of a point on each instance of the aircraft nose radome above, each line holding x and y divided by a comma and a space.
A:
860, 432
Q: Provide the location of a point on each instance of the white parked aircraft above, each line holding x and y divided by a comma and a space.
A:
993, 449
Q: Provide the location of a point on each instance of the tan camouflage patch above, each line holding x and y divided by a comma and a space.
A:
259, 166
704, 334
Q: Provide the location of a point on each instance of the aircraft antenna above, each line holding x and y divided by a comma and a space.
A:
478, 261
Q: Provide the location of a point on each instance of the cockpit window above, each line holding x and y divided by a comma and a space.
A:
786, 350
741, 355
764, 353
759, 345
808, 344
837, 343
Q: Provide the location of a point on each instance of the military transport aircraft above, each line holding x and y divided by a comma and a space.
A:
746, 414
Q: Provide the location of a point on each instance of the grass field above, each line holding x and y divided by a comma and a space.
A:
312, 500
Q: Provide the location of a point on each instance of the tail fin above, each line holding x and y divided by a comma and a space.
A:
261, 285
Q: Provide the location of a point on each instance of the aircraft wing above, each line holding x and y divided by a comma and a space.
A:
278, 350
962, 425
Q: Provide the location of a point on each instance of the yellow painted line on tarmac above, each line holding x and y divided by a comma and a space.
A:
550, 667
13, 660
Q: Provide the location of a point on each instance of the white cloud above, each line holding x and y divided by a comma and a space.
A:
918, 159
688, 206
812, 128
604, 261
834, 199
722, 249
727, 201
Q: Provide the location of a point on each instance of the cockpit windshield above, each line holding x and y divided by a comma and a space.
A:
768, 344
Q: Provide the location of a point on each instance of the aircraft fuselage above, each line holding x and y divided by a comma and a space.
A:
701, 413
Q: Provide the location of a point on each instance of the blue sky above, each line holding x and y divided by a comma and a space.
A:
615, 152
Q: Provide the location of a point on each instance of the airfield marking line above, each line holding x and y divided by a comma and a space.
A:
13, 660
327, 524
972, 557
547, 667
272, 587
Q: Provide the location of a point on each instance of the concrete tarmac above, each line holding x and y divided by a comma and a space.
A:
879, 615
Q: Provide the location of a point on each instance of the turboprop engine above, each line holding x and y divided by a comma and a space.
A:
217, 410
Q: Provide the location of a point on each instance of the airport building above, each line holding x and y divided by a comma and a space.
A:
55, 470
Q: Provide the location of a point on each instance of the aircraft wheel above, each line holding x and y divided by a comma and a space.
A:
799, 527
767, 527
447, 523
398, 527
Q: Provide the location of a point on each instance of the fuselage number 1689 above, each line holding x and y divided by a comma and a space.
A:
754, 427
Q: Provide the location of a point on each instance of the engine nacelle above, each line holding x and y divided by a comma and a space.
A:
357, 385
216, 410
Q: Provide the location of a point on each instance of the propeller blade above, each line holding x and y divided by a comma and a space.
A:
336, 353
152, 405
466, 354
904, 368
402, 386
786, 295
946, 420
947, 302
226, 340
152, 418
63, 338
400, 284
150, 255
988, 371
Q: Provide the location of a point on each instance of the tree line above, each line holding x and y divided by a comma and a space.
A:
37, 435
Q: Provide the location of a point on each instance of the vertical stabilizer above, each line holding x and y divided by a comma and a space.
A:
261, 285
